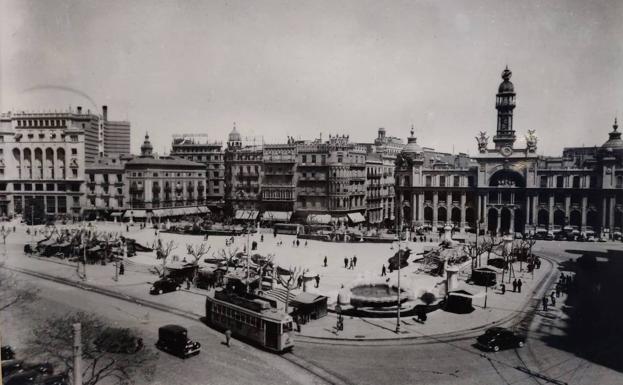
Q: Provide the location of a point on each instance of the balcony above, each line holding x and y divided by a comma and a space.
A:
280, 159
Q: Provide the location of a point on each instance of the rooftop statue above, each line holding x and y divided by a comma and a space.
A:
531, 140
483, 141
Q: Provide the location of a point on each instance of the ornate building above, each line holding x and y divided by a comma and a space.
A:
42, 159
508, 189
105, 181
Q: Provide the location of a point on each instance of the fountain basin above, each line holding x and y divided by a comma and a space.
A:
376, 295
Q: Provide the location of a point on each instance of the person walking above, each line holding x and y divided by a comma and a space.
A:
552, 297
514, 285
383, 271
317, 278
262, 238
544, 300
187, 283
345, 263
351, 266
298, 243
503, 287
227, 337
519, 283
121, 268
354, 261
305, 243
558, 290
325, 261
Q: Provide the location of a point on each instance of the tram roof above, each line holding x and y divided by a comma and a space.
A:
272, 313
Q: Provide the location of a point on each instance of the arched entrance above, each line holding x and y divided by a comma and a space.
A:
442, 215
456, 217
543, 218
519, 221
559, 218
507, 178
575, 218
492, 219
505, 221
592, 220
470, 217
428, 215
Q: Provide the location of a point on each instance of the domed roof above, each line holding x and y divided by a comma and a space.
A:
146, 149
234, 135
506, 85
412, 147
614, 141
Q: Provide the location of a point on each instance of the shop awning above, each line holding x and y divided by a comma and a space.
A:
356, 217
246, 215
277, 216
203, 209
322, 219
116, 214
135, 214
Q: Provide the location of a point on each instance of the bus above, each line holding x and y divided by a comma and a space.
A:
251, 318
288, 228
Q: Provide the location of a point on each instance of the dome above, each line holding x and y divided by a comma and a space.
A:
147, 149
234, 135
614, 141
506, 85
412, 147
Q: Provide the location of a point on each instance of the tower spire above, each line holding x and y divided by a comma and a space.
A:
505, 104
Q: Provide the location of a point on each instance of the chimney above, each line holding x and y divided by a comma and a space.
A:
105, 113
79, 109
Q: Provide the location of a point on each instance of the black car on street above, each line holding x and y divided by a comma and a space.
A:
173, 339
497, 338
165, 285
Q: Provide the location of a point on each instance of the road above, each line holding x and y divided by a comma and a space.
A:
217, 364
427, 361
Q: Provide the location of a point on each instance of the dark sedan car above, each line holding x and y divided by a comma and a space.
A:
7, 353
497, 338
165, 285
173, 339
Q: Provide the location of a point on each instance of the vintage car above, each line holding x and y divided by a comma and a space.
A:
497, 338
165, 285
173, 339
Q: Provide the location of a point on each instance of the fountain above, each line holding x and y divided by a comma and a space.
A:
376, 295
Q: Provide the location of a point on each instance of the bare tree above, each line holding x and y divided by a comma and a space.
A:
197, 252
53, 340
290, 283
474, 251
14, 291
490, 245
163, 251
230, 256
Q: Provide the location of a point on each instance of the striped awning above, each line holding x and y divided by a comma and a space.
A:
322, 219
135, 214
277, 216
246, 215
356, 217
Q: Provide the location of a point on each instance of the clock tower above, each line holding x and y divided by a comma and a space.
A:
505, 104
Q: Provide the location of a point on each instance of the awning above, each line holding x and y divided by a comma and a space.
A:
277, 216
203, 209
116, 214
135, 214
306, 298
323, 219
246, 215
356, 217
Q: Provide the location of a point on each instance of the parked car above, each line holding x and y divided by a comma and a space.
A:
497, 338
173, 339
165, 285
7, 353
118, 340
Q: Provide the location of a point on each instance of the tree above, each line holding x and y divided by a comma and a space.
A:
197, 252
290, 283
14, 291
163, 251
490, 245
474, 251
53, 340
230, 256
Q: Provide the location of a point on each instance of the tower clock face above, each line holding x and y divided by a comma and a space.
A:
506, 151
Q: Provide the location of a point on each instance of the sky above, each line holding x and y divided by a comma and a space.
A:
302, 68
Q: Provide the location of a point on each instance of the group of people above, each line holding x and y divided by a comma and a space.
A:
517, 283
351, 263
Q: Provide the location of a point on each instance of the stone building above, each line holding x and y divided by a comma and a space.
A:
506, 188
279, 183
42, 160
105, 182
163, 187
191, 147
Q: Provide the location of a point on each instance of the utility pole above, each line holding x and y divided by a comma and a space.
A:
77, 349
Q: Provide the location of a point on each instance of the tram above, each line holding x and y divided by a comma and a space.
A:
251, 318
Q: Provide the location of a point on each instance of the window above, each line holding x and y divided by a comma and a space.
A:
74, 172
457, 181
442, 181
560, 181
313, 158
339, 158
92, 177
543, 181
304, 159
593, 181
429, 181
49, 187
576, 181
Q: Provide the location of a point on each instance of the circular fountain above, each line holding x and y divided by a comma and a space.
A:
376, 295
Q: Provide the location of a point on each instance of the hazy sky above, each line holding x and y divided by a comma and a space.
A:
300, 68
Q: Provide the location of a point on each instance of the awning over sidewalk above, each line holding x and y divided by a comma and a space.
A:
277, 216
356, 217
246, 215
135, 214
321, 219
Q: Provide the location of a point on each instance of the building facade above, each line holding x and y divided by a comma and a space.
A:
192, 148
42, 160
507, 188
115, 136
279, 184
105, 182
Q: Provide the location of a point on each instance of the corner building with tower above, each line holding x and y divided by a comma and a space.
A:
507, 189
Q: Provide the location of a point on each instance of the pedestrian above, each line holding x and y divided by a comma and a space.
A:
558, 290
298, 243
317, 280
121, 268
297, 321
227, 337
187, 283
503, 287
519, 283
345, 263
552, 297
299, 281
262, 238
325, 261
355, 261
351, 266
293, 243
514, 285
383, 271
544, 303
